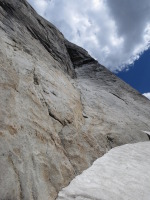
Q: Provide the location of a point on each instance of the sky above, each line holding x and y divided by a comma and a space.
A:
115, 32
138, 75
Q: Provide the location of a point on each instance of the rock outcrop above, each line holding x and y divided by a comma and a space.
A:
59, 108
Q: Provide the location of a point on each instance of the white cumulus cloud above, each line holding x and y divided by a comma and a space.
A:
114, 32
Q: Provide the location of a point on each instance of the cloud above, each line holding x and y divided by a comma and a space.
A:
114, 32
147, 95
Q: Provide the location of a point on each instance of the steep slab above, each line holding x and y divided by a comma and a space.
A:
57, 110
121, 174
37, 100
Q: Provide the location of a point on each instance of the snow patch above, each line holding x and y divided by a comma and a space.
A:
123, 173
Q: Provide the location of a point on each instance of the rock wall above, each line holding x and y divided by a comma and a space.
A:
59, 109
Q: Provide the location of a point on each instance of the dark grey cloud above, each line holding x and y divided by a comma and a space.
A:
115, 32
132, 19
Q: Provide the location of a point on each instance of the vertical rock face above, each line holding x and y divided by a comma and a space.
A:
59, 109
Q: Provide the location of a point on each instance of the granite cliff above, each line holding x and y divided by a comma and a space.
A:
60, 109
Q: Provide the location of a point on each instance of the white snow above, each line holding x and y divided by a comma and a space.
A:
147, 95
121, 174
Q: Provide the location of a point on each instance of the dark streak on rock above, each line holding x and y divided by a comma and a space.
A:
118, 97
110, 141
148, 136
85, 116
7, 7
54, 94
35, 78
53, 116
